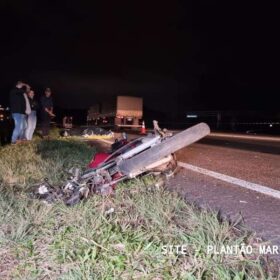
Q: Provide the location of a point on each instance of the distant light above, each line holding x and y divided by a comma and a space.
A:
191, 116
271, 125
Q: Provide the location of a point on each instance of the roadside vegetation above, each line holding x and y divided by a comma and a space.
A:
124, 236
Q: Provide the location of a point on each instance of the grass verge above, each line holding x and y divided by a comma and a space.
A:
125, 236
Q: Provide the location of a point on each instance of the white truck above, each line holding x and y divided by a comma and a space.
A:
127, 111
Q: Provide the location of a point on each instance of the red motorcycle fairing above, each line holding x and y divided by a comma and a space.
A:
98, 159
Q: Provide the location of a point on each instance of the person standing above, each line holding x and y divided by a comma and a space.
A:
32, 117
18, 108
46, 103
27, 112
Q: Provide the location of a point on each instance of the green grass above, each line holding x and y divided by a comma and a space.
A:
38, 241
25, 164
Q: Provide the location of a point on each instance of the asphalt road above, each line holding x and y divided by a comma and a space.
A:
255, 161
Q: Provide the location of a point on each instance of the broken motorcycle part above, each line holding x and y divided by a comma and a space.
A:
153, 153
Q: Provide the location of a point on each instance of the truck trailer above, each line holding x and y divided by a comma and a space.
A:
126, 111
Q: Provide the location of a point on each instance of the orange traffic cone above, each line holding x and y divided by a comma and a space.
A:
143, 128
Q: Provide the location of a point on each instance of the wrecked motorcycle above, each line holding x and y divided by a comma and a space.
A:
153, 153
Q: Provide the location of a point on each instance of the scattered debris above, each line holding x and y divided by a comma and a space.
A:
90, 132
97, 132
109, 211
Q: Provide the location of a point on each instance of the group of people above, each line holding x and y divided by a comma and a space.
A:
25, 107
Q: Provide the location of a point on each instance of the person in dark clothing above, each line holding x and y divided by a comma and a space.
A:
32, 117
46, 112
6, 126
18, 108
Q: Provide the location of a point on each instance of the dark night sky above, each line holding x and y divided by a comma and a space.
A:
198, 54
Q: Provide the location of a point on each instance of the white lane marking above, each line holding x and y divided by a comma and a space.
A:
242, 183
249, 137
